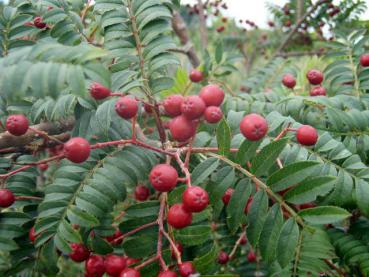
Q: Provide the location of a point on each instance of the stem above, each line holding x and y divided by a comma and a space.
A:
25, 167
28, 198
237, 244
147, 262
183, 168
145, 78
339, 271
297, 26
271, 194
147, 225
174, 247
297, 256
161, 230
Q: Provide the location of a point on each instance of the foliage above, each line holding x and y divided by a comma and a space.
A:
303, 209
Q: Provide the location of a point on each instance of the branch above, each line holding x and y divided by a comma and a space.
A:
297, 26
300, 54
203, 28
52, 128
180, 28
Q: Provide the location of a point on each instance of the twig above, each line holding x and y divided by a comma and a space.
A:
161, 229
183, 168
142, 227
237, 244
180, 28
297, 26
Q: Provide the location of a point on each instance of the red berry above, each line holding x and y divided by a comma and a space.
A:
186, 269
315, 77
6, 198
130, 272
37, 21
248, 205
179, 248
195, 199
193, 107
223, 257
196, 76
178, 217
79, 252
181, 128
318, 91
43, 167
212, 95
148, 108
364, 60
141, 193
254, 127
17, 124
131, 261
213, 114
163, 177
289, 81
167, 273
112, 238
114, 265
77, 150
126, 107
243, 240
31, 234
288, 23
251, 257
94, 266
227, 196
307, 135
306, 206
172, 105
220, 29
98, 91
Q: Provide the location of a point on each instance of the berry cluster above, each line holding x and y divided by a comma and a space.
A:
187, 113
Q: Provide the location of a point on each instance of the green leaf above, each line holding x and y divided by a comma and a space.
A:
82, 218
309, 189
247, 151
223, 180
203, 263
291, 175
362, 196
193, 235
270, 234
7, 245
219, 52
324, 214
140, 246
267, 156
223, 137
256, 216
236, 206
203, 170
100, 246
287, 242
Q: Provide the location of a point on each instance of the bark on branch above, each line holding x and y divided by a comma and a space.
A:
51, 128
298, 25
180, 28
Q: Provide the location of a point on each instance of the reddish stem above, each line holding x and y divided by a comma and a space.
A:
161, 230
147, 262
183, 168
25, 167
283, 133
28, 198
147, 225
174, 247
237, 244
